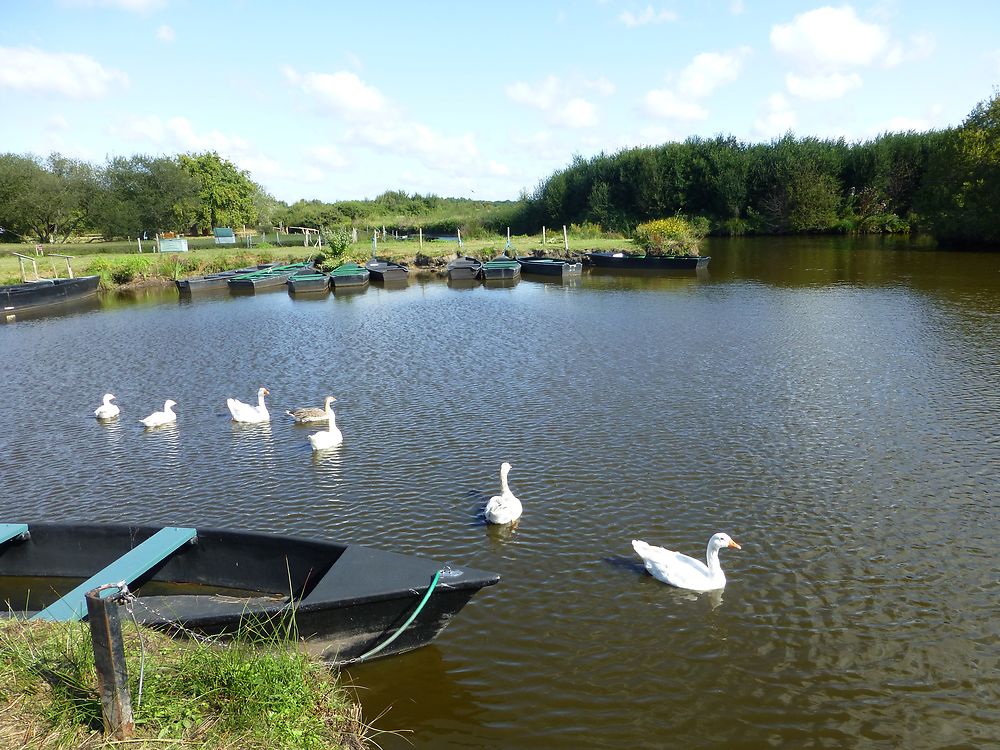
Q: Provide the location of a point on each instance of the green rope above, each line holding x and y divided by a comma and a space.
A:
406, 624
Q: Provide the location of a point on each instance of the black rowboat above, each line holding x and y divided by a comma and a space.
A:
501, 267
464, 269
347, 600
550, 267
32, 295
648, 262
384, 270
218, 280
349, 274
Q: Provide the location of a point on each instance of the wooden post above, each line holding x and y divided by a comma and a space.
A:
420, 231
354, 235
543, 235
565, 239
459, 239
109, 659
508, 235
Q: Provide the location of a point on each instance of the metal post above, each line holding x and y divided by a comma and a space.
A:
109, 659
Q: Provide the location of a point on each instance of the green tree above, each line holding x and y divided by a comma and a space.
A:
47, 199
227, 193
145, 193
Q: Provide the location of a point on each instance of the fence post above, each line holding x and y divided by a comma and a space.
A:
109, 659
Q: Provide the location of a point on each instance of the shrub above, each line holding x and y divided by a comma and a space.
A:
671, 236
336, 239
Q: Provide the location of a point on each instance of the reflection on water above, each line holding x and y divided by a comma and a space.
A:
829, 403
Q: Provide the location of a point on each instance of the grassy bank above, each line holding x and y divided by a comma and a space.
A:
120, 264
250, 694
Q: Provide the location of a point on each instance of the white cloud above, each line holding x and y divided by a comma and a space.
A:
74, 75
666, 104
328, 156
830, 38
576, 113
134, 6
601, 85
554, 99
165, 34
709, 70
179, 133
342, 92
822, 87
778, 118
919, 47
646, 17
699, 79
538, 96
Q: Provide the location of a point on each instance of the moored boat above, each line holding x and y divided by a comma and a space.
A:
265, 278
346, 600
501, 267
386, 270
464, 269
647, 262
349, 274
550, 267
217, 280
308, 280
32, 295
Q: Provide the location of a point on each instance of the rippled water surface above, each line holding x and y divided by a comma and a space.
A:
833, 406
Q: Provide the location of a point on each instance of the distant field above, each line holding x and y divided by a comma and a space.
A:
204, 254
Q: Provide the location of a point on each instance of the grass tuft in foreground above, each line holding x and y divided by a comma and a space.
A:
251, 693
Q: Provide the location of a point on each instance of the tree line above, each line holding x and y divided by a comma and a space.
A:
944, 182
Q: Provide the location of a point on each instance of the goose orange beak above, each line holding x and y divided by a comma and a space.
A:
734, 544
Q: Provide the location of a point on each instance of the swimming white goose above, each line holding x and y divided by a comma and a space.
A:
158, 418
107, 410
307, 414
247, 412
685, 572
503, 508
331, 437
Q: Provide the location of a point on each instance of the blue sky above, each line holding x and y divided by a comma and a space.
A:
336, 100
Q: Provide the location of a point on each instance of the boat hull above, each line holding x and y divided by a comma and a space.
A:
381, 271
34, 295
313, 282
465, 269
348, 275
345, 598
500, 268
648, 262
550, 267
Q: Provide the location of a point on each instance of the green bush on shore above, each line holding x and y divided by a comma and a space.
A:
671, 236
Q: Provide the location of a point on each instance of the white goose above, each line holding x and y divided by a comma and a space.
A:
107, 410
685, 572
331, 437
505, 507
248, 412
158, 418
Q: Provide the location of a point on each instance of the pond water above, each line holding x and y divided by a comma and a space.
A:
831, 404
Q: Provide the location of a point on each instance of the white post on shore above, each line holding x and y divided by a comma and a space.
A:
139, 240
420, 231
384, 235
157, 242
565, 239
508, 235
543, 234
460, 239
354, 235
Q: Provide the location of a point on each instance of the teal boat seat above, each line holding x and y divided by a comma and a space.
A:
128, 567
10, 531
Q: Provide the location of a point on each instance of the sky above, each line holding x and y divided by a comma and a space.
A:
336, 100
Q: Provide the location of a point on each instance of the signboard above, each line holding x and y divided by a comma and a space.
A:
224, 236
178, 245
